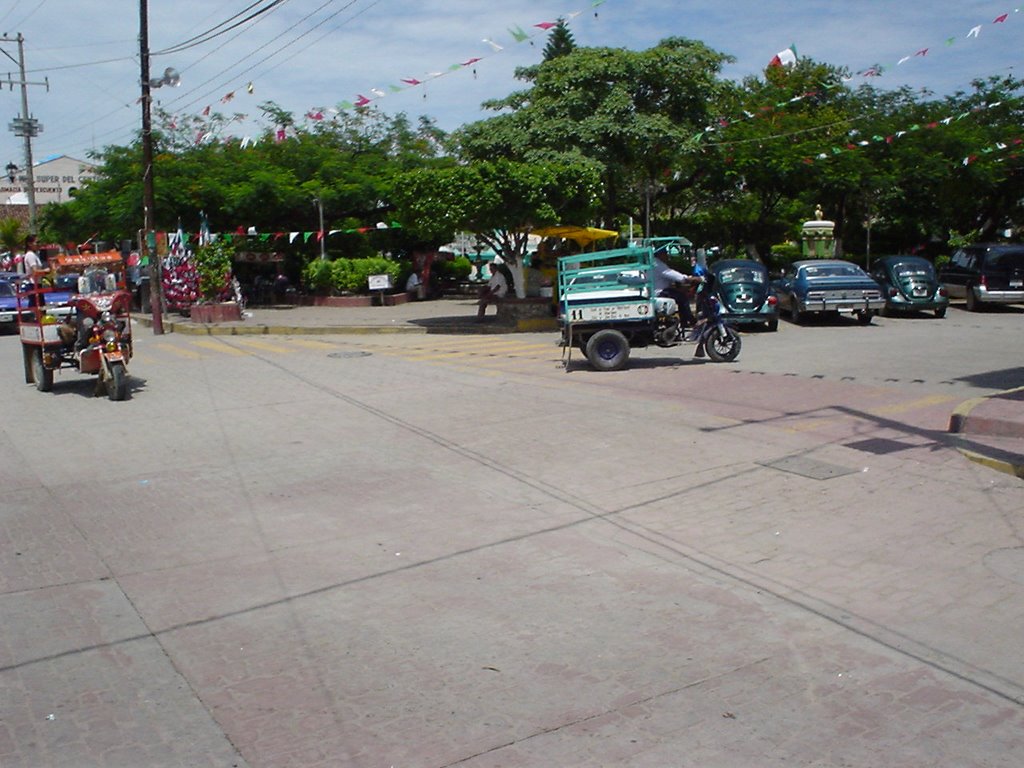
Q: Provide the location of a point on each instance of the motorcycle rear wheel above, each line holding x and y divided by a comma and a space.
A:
117, 383
608, 350
42, 375
723, 348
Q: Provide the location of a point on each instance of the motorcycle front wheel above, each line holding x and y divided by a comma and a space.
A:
117, 383
723, 346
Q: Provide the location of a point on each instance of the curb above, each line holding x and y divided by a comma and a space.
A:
961, 423
214, 329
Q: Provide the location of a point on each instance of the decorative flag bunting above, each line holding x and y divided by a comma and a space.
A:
973, 32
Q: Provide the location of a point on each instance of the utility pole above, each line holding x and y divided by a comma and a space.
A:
156, 294
25, 126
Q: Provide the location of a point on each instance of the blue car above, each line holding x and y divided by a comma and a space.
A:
828, 286
8, 305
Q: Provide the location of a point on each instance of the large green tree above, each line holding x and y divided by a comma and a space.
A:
500, 200
633, 113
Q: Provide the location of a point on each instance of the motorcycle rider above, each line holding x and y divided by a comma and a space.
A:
674, 284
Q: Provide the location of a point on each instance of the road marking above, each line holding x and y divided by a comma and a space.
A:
313, 344
180, 352
263, 346
218, 346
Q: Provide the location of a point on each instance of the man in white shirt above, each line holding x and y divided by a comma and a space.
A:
30, 261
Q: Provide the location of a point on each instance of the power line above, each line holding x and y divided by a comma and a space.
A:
214, 32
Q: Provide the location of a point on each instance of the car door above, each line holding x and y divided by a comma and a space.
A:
960, 271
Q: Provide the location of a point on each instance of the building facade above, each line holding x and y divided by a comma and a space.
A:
57, 179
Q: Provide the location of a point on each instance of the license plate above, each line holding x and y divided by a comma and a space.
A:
1017, 283
609, 312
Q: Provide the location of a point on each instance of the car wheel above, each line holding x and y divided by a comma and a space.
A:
940, 312
773, 325
795, 315
973, 305
608, 350
864, 318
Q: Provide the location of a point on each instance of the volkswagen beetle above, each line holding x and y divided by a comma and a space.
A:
909, 284
745, 293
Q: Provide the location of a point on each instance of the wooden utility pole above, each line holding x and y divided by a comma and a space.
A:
25, 126
156, 294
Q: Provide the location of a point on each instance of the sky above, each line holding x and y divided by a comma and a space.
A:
417, 56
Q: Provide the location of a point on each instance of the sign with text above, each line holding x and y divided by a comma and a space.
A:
379, 282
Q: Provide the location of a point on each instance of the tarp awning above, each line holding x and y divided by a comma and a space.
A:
584, 236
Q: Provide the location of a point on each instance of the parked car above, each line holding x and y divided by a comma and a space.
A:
828, 285
909, 284
985, 274
8, 305
745, 293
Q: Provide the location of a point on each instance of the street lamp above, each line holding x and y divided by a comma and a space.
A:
12, 169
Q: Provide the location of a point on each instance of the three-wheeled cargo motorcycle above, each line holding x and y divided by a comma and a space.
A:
608, 304
88, 329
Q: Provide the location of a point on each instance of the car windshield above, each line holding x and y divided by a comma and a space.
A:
833, 270
67, 282
913, 269
740, 275
6, 289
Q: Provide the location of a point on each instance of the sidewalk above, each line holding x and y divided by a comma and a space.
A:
448, 316
988, 430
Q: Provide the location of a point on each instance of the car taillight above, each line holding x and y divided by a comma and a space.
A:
773, 300
942, 292
982, 281
892, 291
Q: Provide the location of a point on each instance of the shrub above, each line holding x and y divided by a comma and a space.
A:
352, 275
457, 269
317, 276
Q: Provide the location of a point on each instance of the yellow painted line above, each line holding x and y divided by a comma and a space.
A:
188, 353
910, 405
313, 344
219, 347
263, 346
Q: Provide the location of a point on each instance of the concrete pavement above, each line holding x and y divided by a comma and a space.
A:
990, 430
359, 561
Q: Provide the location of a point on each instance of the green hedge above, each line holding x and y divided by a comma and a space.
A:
348, 275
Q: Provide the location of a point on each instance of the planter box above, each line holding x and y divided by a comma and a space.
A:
225, 312
530, 314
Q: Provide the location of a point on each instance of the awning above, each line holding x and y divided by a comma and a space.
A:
584, 236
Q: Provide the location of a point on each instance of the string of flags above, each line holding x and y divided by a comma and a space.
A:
177, 241
368, 96
973, 33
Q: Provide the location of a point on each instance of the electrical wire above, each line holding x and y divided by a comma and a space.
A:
215, 32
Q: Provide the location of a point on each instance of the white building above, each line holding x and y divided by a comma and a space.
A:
56, 179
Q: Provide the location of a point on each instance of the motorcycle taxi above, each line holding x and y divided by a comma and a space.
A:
608, 305
88, 329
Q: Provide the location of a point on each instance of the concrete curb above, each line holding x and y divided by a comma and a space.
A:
962, 422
